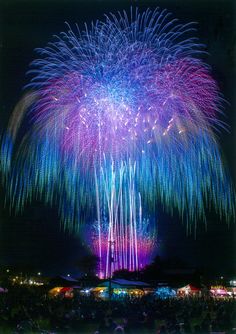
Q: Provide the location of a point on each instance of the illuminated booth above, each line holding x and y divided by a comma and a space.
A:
188, 290
219, 291
63, 291
164, 292
122, 288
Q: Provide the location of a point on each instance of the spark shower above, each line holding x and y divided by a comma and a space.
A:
117, 119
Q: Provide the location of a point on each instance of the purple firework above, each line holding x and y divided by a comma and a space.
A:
131, 90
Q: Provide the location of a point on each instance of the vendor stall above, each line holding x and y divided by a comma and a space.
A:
188, 290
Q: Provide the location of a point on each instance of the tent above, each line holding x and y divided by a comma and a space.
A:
55, 291
121, 288
231, 291
64, 291
124, 283
164, 292
219, 291
188, 290
63, 281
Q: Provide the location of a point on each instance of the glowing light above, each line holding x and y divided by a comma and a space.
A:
121, 234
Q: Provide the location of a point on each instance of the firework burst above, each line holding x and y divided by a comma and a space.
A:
131, 90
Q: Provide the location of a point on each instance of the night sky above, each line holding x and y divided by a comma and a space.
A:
35, 239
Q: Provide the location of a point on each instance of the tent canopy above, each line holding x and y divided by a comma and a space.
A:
189, 287
123, 283
63, 281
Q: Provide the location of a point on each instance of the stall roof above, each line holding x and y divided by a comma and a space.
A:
120, 282
189, 287
63, 281
69, 279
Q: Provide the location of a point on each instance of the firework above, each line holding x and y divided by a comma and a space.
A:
128, 96
130, 249
121, 238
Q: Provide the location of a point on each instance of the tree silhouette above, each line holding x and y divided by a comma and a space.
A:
88, 264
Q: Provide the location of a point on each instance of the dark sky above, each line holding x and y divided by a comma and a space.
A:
35, 239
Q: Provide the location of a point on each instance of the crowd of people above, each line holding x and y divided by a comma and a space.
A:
28, 310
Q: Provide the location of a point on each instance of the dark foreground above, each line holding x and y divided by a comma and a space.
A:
30, 310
